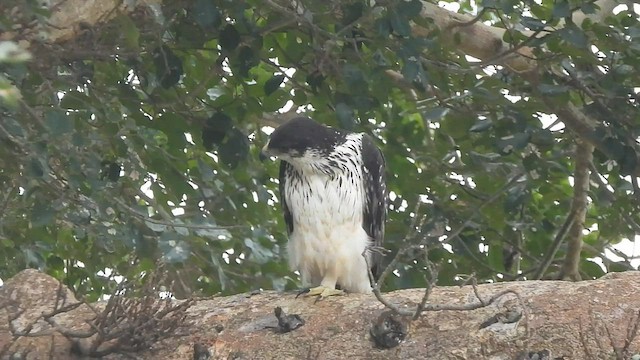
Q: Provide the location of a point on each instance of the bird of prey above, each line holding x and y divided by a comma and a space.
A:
333, 194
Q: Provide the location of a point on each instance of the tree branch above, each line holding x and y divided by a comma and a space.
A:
555, 245
484, 41
579, 204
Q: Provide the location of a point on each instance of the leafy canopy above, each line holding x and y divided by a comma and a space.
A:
137, 140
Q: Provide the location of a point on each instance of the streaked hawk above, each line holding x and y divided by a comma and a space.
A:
334, 199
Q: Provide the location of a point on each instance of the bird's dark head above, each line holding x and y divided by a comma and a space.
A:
302, 138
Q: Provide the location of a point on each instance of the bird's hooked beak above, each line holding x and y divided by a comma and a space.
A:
264, 153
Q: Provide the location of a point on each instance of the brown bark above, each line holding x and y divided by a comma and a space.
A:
69, 18
474, 38
486, 42
568, 319
579, 203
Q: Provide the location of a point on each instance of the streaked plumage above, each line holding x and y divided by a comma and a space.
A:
333, 195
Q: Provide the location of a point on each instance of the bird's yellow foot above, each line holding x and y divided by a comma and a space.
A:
320, 291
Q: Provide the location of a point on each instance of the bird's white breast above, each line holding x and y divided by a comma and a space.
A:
327, 211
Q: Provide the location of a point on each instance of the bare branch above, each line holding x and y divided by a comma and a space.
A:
517, 177
553, 248
579, 204
175, 224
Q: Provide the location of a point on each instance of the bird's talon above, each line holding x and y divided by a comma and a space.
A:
320, 291
303, 292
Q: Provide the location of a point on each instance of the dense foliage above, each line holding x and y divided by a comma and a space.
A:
137, 140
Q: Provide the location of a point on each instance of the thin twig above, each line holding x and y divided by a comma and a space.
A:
430, 283
475, 305
479, 208
173, 223
553, 248
477, 18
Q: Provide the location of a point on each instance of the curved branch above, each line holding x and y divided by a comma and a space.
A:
486, 42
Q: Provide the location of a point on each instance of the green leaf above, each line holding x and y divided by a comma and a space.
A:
382, 27
55, 263
543, 138
259, 253
495, 257
42, 215
624, 70
36, 169
215, 129
351, 12
481, 125
561, 9
273, 84
516, 196
399, 23
206, 14
509, 143
436, 114
410, 70
129, 31
168, 66
490, 3
294, 50
32, 258
229, 38
588, 8
300, 98
363, 103
234, 149
205, 170
574, 35
410, 8
592, 269
354, 78
58, 122
614, 148
190, 34
74, 100
629, 161
13, 127
532, 23
216, 92
344, 113
247, 58
315, 80
552, 89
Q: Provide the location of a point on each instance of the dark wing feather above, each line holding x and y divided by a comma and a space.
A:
285, 171
375, 209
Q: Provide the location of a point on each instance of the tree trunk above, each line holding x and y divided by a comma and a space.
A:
582, 320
